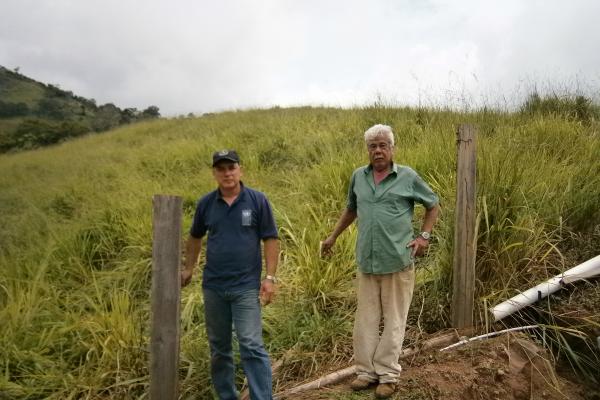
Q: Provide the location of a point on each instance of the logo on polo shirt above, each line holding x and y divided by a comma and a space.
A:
246, 217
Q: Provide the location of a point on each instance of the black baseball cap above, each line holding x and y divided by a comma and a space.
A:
230, 155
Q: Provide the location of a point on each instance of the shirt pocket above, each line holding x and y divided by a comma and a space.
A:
397, 204
248, 217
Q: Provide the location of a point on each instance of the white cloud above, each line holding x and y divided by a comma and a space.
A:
197, 56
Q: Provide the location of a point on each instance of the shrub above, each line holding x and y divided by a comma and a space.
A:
34, 132
8, 110
578, 107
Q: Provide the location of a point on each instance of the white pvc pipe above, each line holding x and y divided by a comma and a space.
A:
588, 269
488, 335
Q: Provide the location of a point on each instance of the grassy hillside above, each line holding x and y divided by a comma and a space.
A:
75, 234
33, 114
17, 88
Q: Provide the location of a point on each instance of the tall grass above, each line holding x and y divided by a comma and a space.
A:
75, 234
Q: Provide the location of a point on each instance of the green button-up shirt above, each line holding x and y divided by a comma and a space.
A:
385, 212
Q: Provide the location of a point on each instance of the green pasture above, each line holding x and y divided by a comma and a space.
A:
76, 231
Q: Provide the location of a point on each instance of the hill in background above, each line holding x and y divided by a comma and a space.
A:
34, 114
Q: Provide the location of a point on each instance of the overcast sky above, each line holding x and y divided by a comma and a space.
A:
200, 56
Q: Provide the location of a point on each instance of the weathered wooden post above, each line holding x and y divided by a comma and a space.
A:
465, 240
166, 261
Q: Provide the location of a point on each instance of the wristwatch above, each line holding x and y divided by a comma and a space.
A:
425, 235
272, 278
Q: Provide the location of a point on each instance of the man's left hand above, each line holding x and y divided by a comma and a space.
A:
267, 292
419, 245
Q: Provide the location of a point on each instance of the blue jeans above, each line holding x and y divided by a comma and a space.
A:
221, 309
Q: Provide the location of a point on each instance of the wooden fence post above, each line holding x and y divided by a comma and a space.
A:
166, 262
465, 241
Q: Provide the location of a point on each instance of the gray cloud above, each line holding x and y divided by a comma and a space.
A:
198, 56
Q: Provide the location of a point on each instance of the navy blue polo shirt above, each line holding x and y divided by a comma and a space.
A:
233, 253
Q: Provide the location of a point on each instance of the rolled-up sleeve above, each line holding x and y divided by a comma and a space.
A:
351, 200
423, 193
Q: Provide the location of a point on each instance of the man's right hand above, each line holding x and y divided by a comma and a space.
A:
186, 277
326, 246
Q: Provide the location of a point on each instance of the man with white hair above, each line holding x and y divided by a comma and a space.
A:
381, 196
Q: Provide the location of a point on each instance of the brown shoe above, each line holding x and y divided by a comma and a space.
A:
361, 383
385, 390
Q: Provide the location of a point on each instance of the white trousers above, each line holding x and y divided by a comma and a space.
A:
386, 296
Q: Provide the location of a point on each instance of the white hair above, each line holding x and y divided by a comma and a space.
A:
380, 130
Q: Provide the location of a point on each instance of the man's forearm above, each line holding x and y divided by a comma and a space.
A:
192, 251
430, 218
346, 219
271, 255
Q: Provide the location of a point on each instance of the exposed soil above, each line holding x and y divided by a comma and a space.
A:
511, 366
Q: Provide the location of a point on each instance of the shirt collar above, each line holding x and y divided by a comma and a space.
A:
242, 191
393, 171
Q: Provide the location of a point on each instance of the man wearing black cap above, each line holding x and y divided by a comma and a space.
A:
236, 219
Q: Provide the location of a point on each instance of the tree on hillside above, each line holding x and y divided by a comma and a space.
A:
9, 110
51, 108
35, 132
106, 117
151, 112
129, 115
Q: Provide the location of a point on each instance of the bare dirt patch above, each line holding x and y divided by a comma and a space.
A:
509, 367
